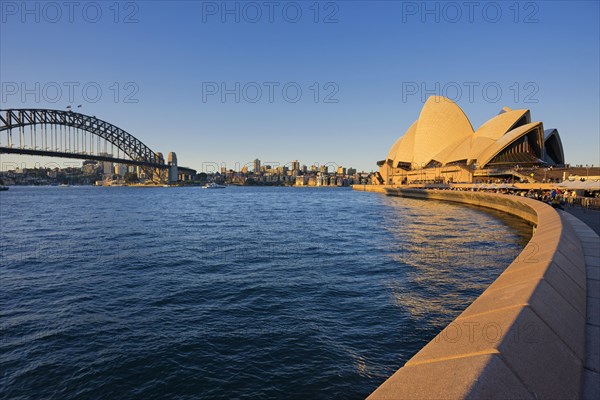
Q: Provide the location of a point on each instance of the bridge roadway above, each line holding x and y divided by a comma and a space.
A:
83, 156
67, 134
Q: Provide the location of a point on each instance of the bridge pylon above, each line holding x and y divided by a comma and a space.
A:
173, 170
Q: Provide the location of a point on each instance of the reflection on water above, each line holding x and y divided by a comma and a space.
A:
445, 259
244, 292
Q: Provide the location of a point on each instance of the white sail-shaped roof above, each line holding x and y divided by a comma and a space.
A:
444, 134
440, 124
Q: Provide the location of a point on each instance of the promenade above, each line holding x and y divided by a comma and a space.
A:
590, 217
543, 308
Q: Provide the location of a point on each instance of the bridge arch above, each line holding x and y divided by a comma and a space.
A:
18, 119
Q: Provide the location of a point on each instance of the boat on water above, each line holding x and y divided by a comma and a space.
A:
2, 187
213, 185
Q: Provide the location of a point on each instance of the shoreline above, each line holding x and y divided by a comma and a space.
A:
544, 288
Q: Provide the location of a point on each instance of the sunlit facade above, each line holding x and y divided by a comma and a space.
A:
442, 146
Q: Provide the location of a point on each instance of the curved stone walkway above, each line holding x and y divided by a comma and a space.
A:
590, 217
590, 241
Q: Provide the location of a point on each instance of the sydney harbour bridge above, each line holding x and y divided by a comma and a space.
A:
67, 134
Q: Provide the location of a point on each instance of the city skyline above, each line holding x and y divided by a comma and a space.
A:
192, 98
299, 199
106, 173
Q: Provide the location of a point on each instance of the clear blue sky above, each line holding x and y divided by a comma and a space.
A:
542, 55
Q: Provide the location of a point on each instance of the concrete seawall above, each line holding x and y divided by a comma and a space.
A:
525, 335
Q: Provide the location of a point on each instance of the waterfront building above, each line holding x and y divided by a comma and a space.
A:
319, 180
301, 180
90, 167
256, 166
442, 146
106, 166
120, 169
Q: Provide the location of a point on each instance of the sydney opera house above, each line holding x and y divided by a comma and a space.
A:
442, 147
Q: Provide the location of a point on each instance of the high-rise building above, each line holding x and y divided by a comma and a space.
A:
256, 165
120, 169
295, 165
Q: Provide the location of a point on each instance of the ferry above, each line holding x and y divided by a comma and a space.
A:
2, 187
213, 185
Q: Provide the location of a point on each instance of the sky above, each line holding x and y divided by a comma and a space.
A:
223, 83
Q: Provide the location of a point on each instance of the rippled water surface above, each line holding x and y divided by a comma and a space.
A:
155, 293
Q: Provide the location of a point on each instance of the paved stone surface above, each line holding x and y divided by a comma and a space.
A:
590, 243
592, 360
591, 391
591, 248
590, 217
593, 288
593, 273
593, 311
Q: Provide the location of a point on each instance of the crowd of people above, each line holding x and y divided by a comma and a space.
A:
556, 197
